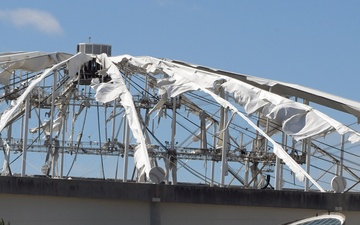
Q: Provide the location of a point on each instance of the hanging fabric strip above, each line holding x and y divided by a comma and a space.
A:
107, 92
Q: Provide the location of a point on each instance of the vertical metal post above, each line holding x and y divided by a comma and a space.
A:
173, 134
221, 136
277, 170
113, 141
308, 156
203, 145
173, 124
126, 150
213, 162
105, 123
19, 144
278, 167
126, 139
342, 156
224, 148
246, 174
267, 131
51, 125
25, 135
203, 131
63, 146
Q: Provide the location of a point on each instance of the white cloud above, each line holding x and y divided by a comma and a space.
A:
40, 20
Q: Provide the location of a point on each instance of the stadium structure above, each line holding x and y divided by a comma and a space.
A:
91, 138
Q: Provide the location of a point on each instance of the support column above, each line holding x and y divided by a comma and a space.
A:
113, 141
52, 148
278, 166
214, 152
246, 174
126, 140
308, 156
25, 135
224, 151
341, 156
203, 145
307, 147
63, 145
173, 157
126, 149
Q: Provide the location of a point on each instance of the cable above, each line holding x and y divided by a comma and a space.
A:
79, 141
101, 156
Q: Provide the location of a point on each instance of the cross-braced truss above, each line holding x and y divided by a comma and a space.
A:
198, 124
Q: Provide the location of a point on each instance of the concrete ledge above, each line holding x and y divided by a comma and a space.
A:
197, 194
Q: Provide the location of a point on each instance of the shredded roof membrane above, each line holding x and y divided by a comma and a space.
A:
244, 96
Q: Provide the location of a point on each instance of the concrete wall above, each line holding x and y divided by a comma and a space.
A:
48, 201
48, 210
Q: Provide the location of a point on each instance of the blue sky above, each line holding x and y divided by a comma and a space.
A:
312, 43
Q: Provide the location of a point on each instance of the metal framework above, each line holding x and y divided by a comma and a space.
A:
191, 135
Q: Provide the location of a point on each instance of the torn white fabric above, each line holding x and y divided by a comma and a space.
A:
107, 92
5, 171
46, 126
74, 66
299, 172
33, 61
11, 111
297, 119
16, 56
159, 104
286, 89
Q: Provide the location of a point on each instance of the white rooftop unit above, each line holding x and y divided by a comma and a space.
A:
96, 49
